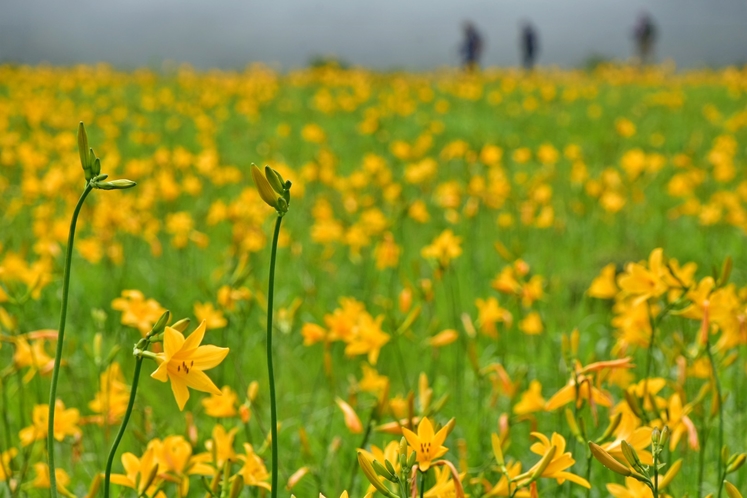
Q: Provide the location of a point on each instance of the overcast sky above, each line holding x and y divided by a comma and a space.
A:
414, 34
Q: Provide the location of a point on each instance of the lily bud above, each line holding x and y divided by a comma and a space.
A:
736, 463
161, 323
731, 490
275, 180
389, 467
115, 184
608, 460
671, 473
83, 151
655, 437
614, 423
575, 338
151, 477
383, 471
573, 426
631, 455
497, 450
370, 473
665, 433
411, 459
236, 487
632, 401
264, 188
544, 463
96, 167
181, 325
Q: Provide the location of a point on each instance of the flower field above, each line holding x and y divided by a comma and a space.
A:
494, 284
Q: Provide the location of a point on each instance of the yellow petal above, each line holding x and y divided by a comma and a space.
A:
122, 480
207, 357
195, 338
161, 372
181, 393
197, 379
560, 398
173, 340
425, 430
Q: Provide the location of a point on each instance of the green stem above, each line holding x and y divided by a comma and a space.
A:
271, 373
125, 420
422, 484
655, 489
720, 434
60, 338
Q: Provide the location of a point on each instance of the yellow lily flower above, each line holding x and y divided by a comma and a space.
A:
183, 362
141, 474
221, 405
560, 461
427, 445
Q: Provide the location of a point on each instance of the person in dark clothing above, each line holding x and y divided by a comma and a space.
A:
644, 35
471, 48
529, 45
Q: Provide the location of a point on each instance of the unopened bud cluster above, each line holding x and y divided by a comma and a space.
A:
92, 166
272, 188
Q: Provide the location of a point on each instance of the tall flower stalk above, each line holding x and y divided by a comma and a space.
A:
94, 180
276, 193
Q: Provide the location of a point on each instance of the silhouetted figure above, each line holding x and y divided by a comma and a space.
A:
529, 45
472, 47
644, 34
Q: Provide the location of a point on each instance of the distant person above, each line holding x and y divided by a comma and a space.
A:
471, 48
644, 35
529, 45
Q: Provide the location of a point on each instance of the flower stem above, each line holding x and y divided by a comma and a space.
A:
60, 338
125, 420
270, 372
720, 434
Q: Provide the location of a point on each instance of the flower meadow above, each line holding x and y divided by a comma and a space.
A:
500, 284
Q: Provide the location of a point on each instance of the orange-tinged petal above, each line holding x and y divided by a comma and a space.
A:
352, 422
566, 395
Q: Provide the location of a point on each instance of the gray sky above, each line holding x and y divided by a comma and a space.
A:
414, 34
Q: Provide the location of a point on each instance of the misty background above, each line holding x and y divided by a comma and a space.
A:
386, 34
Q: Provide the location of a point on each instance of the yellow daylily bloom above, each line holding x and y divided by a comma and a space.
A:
184, 360
141, 474
427, 445
531, 400
254, 471
643, 283
65, 423
560, 461
221, 405
604, 286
